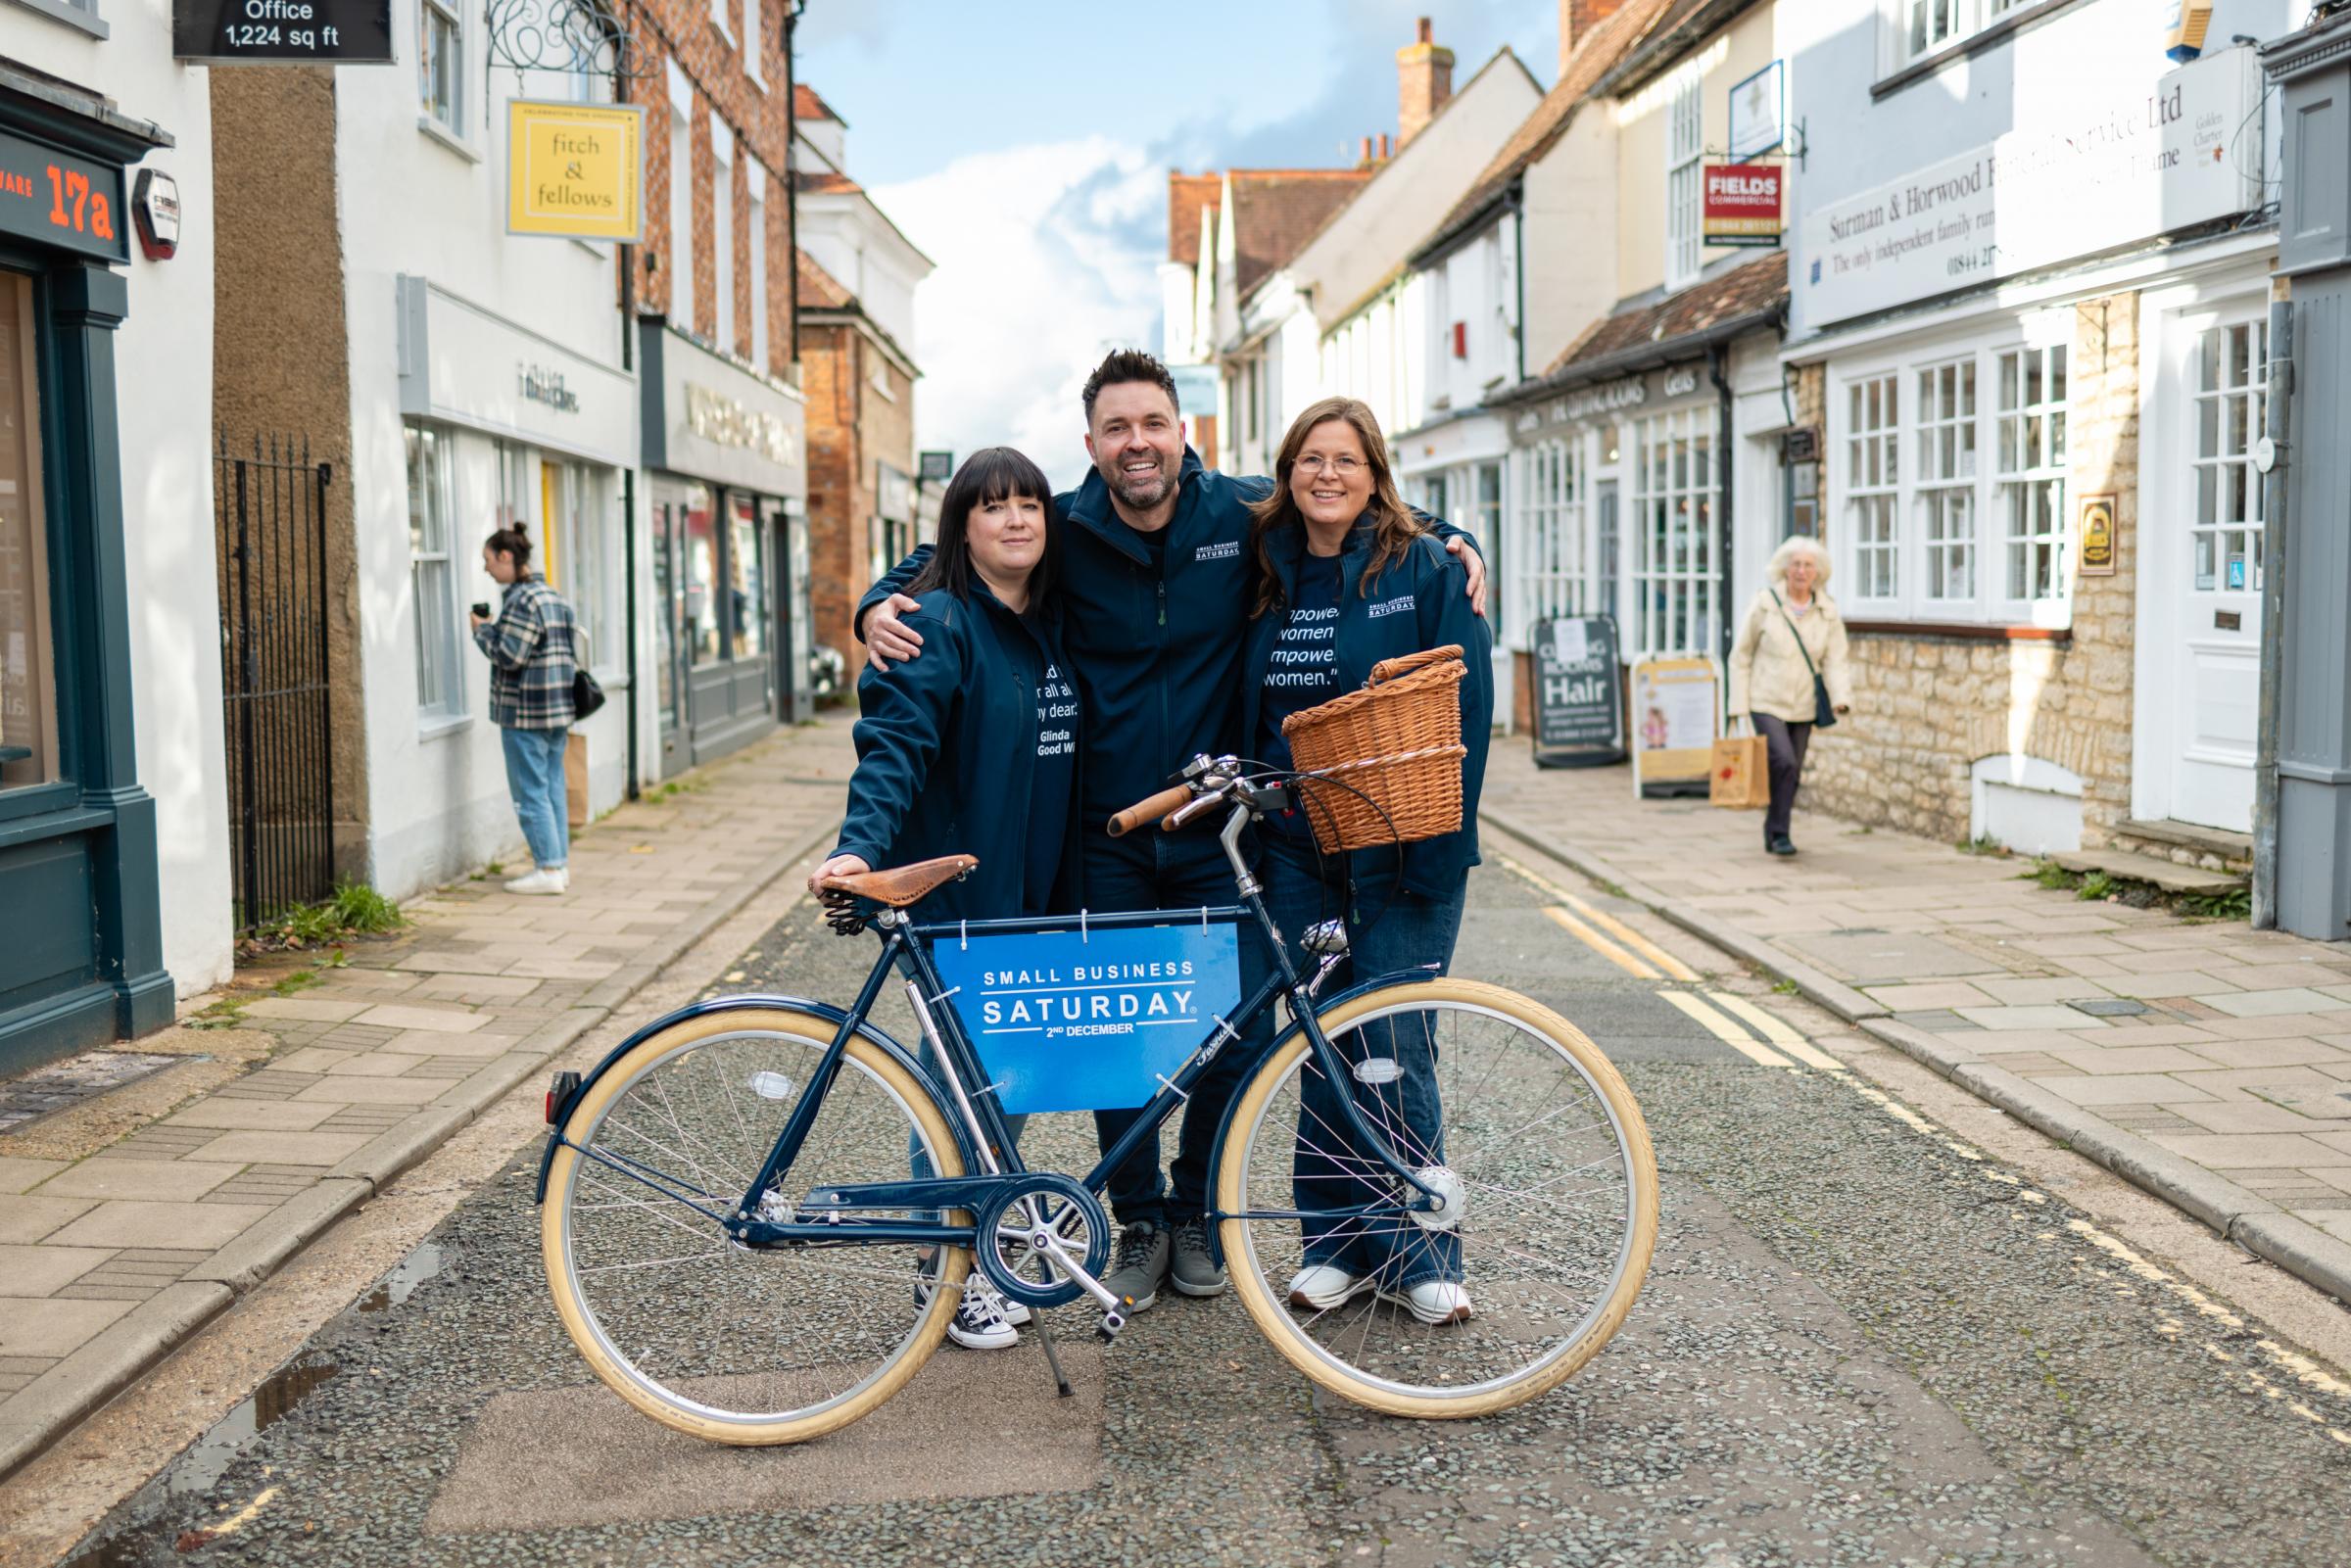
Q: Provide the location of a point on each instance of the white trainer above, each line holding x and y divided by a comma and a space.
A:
1319, 1287
543, 882
1433, 1301
980, 1323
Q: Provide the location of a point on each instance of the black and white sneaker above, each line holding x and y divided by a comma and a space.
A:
1014, 1313
981, 1321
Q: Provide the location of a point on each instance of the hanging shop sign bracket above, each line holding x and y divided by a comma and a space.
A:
576, 37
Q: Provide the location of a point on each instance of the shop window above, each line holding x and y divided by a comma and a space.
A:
2224, 533
441, 63
1432, 495
666, 610
1553, 575
433, 573
1673, 548
746, 597
1685, 144
1488, 527
27, 673
1872, 462
2031, 456
699, 534
1944, 497
579, 553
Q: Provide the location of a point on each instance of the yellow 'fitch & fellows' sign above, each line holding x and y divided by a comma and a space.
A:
575, 169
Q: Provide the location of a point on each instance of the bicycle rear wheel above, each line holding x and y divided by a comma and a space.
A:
728, 1343
1540, 1141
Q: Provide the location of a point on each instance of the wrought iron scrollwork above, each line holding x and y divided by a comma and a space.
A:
577, 37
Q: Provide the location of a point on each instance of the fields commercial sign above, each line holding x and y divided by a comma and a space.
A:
2183, 151
1742, 204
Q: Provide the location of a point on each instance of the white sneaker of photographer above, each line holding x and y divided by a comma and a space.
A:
543, 881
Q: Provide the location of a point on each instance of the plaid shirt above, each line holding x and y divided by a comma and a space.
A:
531, 658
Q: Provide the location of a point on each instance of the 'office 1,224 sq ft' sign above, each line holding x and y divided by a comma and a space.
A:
283, 32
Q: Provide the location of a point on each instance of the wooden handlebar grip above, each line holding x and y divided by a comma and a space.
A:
1159, 805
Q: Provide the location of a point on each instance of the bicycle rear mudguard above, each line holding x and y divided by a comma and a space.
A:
826, 1011
1216, 1155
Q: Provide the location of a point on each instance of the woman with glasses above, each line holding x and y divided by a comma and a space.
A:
1348, 576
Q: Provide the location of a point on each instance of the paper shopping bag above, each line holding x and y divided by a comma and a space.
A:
1739, 780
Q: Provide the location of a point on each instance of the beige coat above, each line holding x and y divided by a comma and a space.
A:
1767, 671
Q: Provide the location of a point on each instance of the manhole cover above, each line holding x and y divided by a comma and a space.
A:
2109, 1007
74, 1080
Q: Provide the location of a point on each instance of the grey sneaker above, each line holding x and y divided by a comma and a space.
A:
1196, 1271
1138, 1264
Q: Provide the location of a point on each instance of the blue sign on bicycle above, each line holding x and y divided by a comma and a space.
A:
1081, 1020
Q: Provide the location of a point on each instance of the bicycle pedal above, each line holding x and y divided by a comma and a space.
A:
1114, 1320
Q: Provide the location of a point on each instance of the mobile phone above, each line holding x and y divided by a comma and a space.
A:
482, 609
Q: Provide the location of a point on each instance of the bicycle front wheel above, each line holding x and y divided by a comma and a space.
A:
728, 1343
1552, 1208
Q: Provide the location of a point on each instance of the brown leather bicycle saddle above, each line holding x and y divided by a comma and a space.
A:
901, 885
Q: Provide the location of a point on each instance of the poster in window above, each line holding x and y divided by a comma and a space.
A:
1676, 708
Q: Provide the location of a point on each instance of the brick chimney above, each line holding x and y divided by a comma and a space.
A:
1577, 19
1424, 81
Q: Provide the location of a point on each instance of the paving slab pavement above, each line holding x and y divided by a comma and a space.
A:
165, 1213
2203, 1060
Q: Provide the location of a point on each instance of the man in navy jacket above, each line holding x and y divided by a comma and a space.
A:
1154, 579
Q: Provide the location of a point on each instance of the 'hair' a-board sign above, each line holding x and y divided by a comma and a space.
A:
1676, 716
1080, 1020
1579, 692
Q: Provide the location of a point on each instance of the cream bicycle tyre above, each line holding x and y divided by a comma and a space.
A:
1266, 1129
559, 1227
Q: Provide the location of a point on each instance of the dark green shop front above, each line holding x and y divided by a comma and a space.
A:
81, 926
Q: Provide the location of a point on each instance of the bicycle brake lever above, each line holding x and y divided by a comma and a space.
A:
1184, 814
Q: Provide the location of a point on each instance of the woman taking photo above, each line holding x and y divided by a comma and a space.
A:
1788, 672
1349, 576
973, 747
530, 644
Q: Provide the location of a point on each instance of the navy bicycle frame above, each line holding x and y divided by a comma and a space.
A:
826, 1215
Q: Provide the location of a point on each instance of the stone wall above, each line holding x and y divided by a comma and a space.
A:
1928, 705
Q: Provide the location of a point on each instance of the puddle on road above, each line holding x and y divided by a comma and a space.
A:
140, 1536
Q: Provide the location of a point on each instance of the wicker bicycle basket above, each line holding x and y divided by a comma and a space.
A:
1397, 741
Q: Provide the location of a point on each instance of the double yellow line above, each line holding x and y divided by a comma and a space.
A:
1644, 960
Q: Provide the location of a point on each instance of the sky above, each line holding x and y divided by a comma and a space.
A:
1024, 148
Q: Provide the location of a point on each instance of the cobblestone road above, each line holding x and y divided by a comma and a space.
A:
1864, 1341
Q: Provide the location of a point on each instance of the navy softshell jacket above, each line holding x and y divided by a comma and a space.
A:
946, 755
1157, 654
1415, 603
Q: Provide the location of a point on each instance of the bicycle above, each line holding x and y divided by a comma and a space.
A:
735, 1248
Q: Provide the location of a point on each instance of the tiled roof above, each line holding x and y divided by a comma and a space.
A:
1743, 292
1593, 57
819, 289
806, 105
826, 182
1278, 210
1186, 195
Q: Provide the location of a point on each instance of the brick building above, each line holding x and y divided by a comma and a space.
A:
856, 276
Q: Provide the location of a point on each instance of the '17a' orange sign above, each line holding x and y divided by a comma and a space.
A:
55, 198
1742, 204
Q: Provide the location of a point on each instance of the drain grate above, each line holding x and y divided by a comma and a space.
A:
74, 1080
2109, 1007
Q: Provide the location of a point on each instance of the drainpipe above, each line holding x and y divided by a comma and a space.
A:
1717, 355
628, 476
2274, 485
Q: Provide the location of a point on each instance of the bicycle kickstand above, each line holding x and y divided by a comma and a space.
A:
1061, 1379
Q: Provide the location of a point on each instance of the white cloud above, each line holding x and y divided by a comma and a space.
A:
1046, 256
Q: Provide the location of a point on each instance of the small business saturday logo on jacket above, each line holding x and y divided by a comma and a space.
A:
1224, 551
1389, 607
1067, 1000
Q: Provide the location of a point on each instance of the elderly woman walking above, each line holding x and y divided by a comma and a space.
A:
1788, 672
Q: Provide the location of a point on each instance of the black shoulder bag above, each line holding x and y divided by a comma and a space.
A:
586, 694
1824, 712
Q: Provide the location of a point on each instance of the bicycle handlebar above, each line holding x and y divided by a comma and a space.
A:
1163, 804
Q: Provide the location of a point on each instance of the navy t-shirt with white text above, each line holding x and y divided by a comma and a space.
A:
1304, 671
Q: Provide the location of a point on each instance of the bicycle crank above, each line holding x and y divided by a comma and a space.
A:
1043, 1241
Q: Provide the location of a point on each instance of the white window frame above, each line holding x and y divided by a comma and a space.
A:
1858, 494
758, 247
2229, 463
680, 260
452, 117
1676, 489
2035, 563
753, 24
722, 234
1946, 411
1918, 29
1554, 577
433, 571
718, 19
1685, 155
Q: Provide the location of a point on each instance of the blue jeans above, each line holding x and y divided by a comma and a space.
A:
535, 781
1152, 869
1330, 1168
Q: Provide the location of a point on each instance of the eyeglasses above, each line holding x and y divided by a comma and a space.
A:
1344, 467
